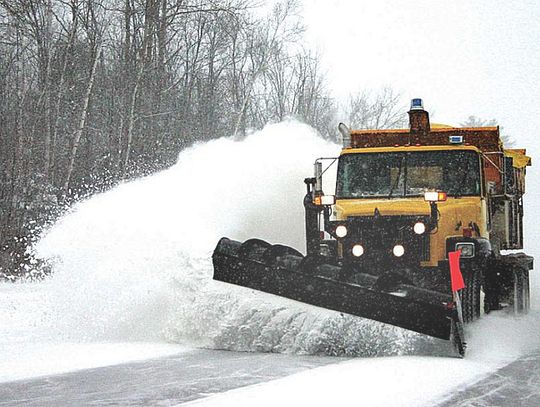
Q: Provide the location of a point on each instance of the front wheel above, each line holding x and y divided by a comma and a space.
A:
471, 296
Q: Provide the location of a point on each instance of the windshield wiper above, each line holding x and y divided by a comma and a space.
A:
461, 185
397, 178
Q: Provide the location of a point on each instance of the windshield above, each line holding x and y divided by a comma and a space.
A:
408, 174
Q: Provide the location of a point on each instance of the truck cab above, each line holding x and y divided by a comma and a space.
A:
406, 198
393, 184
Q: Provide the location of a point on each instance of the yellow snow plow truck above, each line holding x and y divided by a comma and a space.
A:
406, 202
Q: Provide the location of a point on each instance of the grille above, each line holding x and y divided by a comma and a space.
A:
379, 234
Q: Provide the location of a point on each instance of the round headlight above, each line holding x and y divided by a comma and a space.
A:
419, 228
358, 250
341, 231
398, 250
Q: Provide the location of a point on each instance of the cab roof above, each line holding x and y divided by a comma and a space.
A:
406, 148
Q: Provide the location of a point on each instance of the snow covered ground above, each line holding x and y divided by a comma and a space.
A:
28, 348
132, 281
403, 380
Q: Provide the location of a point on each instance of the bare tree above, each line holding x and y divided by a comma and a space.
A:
380, 111
265, 43
474, 121
94, 29
96, 91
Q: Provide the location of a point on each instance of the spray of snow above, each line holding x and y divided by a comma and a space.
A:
133, 264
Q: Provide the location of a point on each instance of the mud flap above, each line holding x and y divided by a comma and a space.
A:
283, 271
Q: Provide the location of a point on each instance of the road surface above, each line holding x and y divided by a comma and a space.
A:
517, 384
173, 380
159, 382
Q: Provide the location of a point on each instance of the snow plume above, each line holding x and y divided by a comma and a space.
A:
134, 263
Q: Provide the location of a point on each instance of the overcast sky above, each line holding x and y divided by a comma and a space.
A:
462, 57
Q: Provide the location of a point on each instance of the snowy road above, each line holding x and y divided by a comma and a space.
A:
517, 384
159, 382
193, 375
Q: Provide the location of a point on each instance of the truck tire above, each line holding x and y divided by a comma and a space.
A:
471, 296
466, 299
476, 299
508, 284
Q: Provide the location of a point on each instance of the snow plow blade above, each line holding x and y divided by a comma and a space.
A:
283, 271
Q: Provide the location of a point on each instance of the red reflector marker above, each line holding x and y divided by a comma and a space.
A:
456, 277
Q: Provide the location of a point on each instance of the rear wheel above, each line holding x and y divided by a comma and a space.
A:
517, 297
521, 291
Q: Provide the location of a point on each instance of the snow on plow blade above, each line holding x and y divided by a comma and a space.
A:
283, 271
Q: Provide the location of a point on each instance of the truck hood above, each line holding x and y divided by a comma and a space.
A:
386, 207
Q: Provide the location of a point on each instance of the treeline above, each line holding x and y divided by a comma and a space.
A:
97, 91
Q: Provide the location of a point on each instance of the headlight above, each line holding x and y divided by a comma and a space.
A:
358, 250
466, 249
398, 250
419, 228
341, 231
